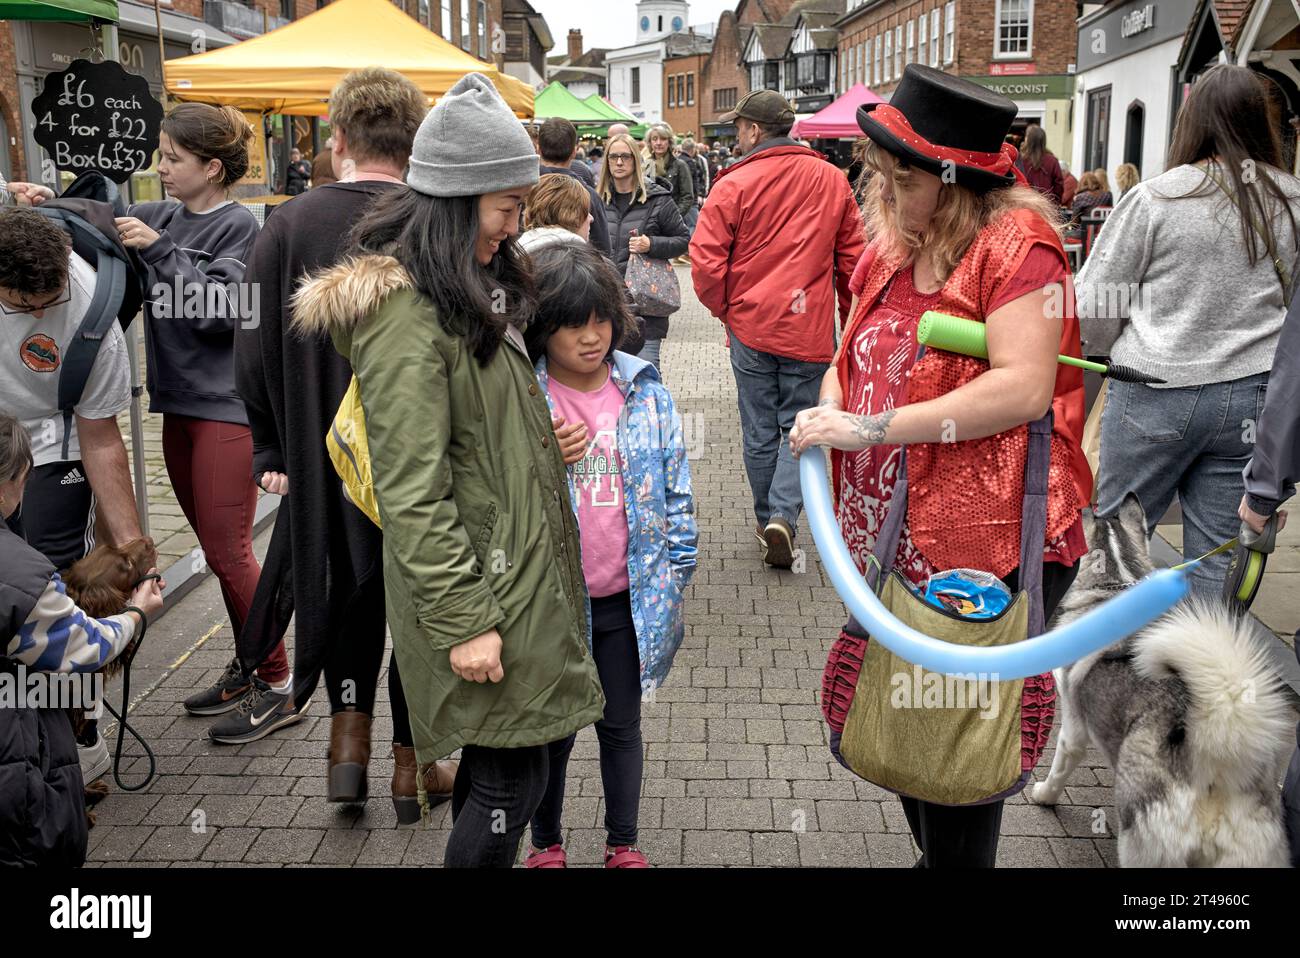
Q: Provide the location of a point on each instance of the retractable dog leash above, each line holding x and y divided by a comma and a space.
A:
122, 725
1250, 551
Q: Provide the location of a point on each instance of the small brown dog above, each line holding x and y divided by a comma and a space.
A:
101, 584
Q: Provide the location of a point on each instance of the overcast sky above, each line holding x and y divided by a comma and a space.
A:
610, 23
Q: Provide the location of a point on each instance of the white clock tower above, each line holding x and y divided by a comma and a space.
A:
658, 18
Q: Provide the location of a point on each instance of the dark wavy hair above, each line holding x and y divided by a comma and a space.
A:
33, 253
573, 281
1232, 114
434, 238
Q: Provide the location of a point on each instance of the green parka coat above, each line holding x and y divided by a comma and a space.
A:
478, 530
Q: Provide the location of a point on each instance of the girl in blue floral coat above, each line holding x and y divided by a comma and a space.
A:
636, 517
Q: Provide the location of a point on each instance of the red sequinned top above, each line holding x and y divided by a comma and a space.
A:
965, 497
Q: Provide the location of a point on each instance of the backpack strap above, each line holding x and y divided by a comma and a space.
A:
110, 286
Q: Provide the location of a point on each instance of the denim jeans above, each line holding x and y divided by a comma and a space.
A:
1194, 441
496, 792
650, 353
771, 390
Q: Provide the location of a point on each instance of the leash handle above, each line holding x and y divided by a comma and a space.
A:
1265, 541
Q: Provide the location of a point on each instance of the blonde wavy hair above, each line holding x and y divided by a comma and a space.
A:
606, 185
959, 216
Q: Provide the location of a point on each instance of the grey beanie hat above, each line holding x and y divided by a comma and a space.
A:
471, 143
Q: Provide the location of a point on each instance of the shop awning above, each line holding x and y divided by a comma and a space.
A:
556, 100
615, 115
292, 70
839, 120
68, 11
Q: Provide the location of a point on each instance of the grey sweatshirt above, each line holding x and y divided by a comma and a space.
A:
194, 297
1197, 311
1274, 467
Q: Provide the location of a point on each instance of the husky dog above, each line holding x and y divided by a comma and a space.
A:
1187, 712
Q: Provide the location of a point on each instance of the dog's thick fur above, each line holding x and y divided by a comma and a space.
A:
1187, 712
101, 584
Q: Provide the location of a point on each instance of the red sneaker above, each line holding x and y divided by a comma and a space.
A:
552, 857
624, 856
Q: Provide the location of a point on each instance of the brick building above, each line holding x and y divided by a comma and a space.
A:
724, 77
1024, 49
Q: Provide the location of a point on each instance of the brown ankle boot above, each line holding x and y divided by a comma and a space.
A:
349, 755
405, 800
439, 778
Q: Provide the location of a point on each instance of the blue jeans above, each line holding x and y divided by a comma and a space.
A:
650, 353
771, 390
1193, 441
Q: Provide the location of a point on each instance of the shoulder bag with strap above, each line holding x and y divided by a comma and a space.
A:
967, 751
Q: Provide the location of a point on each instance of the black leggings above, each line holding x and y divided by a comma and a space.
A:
614, 647
966, 836
354, 659
496, 792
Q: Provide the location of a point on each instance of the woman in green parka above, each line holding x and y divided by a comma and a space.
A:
485, 593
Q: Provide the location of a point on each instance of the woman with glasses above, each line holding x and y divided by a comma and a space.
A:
642, 219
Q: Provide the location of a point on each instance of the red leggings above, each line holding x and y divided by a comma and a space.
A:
210, 465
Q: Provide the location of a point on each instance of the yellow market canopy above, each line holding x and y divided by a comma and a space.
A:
292, 70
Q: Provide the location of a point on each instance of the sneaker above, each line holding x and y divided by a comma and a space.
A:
94, 759
778, 540
552, 857
259, 713
625, 856
224, 694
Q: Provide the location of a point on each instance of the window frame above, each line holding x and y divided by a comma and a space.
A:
911, 42
876, 81
898, 52
444, 20
998, 52
949, 32
690, 89
482, 29
922, 41
936, 21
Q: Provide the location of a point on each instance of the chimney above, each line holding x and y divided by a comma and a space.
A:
575, 45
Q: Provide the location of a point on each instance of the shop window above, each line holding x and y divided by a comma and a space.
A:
1098, 130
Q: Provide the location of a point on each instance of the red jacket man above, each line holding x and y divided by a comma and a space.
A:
772, 255
775, 247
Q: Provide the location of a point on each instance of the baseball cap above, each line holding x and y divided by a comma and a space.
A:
761, 106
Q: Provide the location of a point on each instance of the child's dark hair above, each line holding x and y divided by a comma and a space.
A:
573, 281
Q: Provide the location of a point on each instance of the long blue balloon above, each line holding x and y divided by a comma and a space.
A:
1110, 622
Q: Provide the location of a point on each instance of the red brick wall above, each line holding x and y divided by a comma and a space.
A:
685, 119
1053, 38
10, 104
723, 69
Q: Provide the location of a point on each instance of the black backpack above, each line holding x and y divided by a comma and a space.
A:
85, 211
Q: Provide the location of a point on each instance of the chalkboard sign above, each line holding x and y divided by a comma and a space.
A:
96, 116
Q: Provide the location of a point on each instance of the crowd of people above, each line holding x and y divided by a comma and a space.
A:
496, 296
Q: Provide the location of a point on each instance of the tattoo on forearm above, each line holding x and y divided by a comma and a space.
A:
829, 401
871, 429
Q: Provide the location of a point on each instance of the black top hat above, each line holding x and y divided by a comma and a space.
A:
936, 121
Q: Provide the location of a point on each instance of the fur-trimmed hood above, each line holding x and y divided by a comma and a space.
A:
337, 299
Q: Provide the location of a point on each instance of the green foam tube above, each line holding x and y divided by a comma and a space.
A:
967, 337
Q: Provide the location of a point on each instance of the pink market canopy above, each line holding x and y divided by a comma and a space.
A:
839, 120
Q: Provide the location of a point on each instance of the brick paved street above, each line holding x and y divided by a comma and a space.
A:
737, 768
